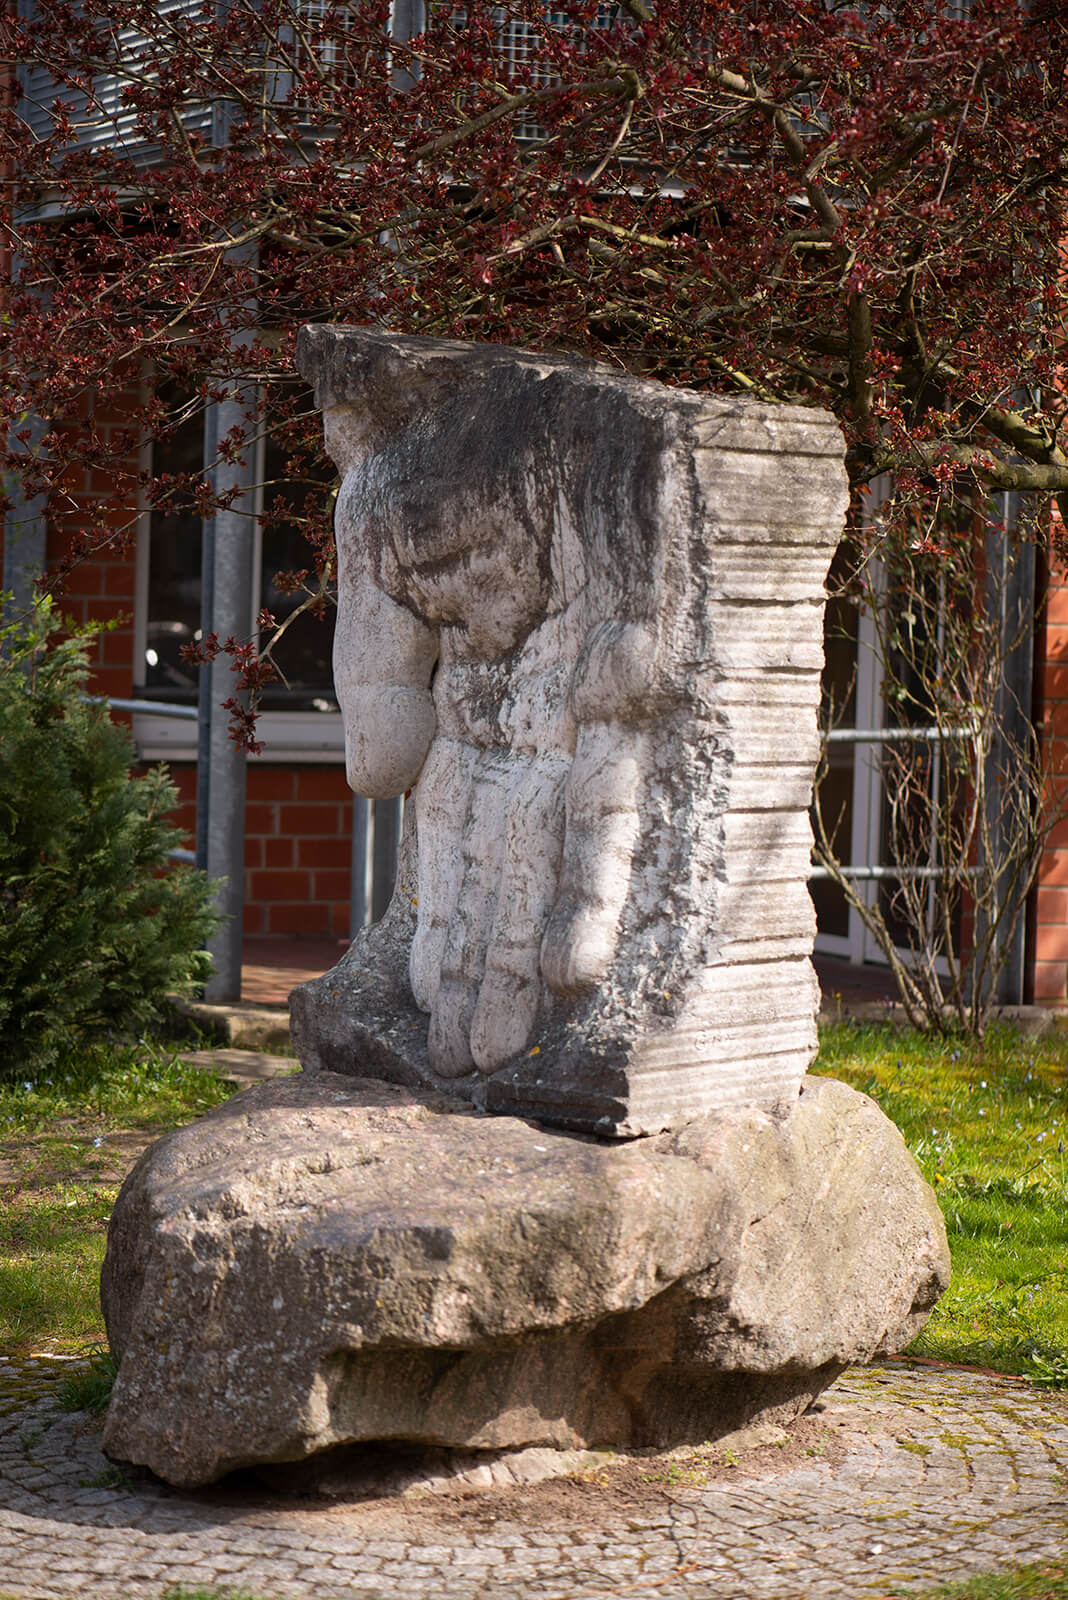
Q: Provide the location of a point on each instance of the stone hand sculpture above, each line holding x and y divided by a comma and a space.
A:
579, 619
565, 695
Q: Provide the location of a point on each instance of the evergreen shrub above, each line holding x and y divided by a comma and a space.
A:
96, 925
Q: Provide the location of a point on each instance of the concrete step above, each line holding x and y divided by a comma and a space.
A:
240, 1024
243, 1067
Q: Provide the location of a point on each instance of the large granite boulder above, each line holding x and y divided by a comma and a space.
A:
580, 618
326, 1259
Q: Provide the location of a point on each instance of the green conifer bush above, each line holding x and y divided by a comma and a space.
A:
96, 925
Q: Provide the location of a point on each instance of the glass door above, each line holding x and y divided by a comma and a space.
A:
851, 789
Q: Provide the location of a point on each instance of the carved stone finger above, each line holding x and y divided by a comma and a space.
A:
511, 991
383, 661
602, 829
463, 959
442, 801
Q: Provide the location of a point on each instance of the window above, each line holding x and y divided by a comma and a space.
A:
301, 718
103, 116
517, 41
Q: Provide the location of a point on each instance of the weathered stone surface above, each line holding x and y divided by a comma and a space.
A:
580, 617
325, 1260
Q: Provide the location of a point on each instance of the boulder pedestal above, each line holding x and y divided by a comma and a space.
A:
325, 1260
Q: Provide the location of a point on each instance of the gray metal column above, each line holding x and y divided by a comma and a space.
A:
205, 703
387, 835
25, 527
229, 547
407, 19
361, 875
376, 835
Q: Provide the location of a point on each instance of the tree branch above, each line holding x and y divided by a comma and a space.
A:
619, 83
860, 340
1027, 478
790, 139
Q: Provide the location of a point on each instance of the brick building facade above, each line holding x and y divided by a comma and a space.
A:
1048, 922
298, 818
298, 815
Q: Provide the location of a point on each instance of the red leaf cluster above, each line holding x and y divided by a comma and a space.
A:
861, 209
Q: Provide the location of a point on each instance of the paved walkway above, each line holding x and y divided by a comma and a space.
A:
915, 1475
271, 967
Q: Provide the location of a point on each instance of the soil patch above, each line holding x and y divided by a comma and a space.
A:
73, 1152
624, 1484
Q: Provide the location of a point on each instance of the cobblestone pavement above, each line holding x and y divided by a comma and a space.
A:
915, 1475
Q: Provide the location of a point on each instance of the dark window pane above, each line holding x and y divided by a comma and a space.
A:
304, 654
174, 579
174, 570
839, 711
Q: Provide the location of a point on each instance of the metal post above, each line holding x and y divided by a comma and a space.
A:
407, 19
361, 878
229, 546
387, 833
227, 579
205, 702
232, 542
1011, 589
25, 526
376, 833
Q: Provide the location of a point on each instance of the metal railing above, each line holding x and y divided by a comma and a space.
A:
896, 735
158, 708
376, 827
924, 735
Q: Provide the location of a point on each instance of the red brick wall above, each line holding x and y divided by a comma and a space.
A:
298, 848
99, 586
1050, 926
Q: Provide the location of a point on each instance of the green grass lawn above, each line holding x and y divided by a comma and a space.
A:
67, 1140
986, 1122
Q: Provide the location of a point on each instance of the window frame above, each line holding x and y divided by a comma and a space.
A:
301, 736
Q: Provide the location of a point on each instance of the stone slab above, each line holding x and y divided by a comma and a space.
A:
240, 1024
242, 1066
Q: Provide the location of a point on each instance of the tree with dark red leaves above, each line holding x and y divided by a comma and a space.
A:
860, 208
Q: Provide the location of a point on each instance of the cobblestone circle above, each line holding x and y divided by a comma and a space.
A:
925, 1475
